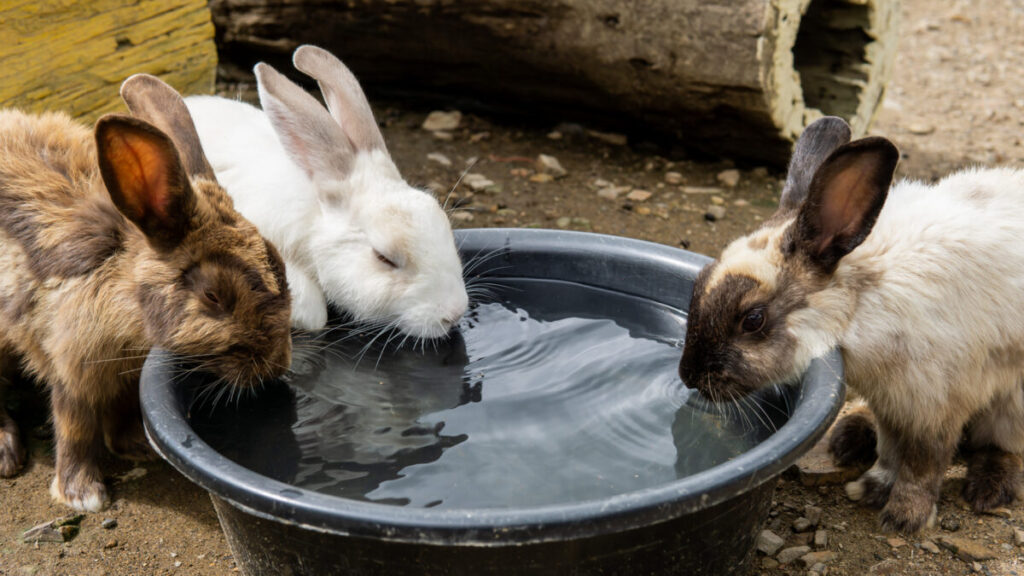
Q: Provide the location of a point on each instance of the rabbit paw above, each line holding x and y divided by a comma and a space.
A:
82, 492
853, 441
908, 511
872, 488
993, 479
12, 451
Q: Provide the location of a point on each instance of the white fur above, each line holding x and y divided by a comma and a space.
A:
328, 229
937, 336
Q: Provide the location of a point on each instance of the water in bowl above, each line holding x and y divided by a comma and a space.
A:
553, 393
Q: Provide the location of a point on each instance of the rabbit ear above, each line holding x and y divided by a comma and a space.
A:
819, 139
343, 94
151, 100
307, 132
844, 199
145, 178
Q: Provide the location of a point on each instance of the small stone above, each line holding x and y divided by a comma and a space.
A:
109, 523
816, 468
769, 563
477, 182
768, 542
730, 178
542, 178
673, 177
788, 555
609, 137
582, 222
950, 523
701, 190
443, 136
638, 196
740, 202
813, 513
895, 542
714, 213
801, 524
819, 568
643, 210
441, 120
921, 129
602, 183
822, 557
546, 164
611, 192
1018, 537
439, 158
474, 138
821, 539
177, 564
58, 531
462, 216
563, 222
554, 135
886, 567
929, 546
966, 550
110, 544
976, 566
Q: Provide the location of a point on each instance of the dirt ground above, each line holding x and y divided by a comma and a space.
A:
956, 98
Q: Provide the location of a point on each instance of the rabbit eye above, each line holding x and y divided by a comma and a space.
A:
384, 259
753, 321
210, 298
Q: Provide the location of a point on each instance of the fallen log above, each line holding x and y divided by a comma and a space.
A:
73, 56
739, 77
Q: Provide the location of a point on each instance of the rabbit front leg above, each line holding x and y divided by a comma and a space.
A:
923, 458
309, 305
78, 482
993, 448
122, 426
12, 450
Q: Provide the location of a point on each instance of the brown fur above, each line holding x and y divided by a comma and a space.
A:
85, 292
852, 440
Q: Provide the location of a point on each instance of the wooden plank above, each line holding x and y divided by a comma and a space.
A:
72, 55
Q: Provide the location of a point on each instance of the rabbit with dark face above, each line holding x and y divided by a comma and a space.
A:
924, 297
113, 244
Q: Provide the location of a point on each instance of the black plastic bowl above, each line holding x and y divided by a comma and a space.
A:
701, 524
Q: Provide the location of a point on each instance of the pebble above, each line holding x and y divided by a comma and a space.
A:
563, 222
730, 177
921, 129
1018, 537
790, 554
554, 135
813, 513
439, 158
673, 177
950, 523
929, 546
612, 192
717, 200
474, 138
642, 210
821, 539
109, 523
443, 136
462, 216
741, 203
822, 557
638, 195
802, 524
439, 120
477, 182
768, 542
112, 543
895, 543
769, 563
701, 190
609, 137
819, 568
966, 550
546, 164
977, 567
542, 178
714, 213
57, 531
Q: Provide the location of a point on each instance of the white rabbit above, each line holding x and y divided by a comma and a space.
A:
325, 191
925, 299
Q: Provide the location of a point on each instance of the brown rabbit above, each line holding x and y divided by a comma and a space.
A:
109, 247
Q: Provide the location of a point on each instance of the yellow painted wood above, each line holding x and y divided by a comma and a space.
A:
72, 55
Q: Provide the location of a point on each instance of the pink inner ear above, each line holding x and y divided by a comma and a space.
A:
844, 204
155, 191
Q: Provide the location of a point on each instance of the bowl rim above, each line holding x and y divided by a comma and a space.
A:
821, 395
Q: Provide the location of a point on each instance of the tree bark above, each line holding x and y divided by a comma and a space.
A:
73, 56
730, 77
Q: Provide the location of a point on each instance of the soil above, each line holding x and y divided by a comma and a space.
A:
956, 98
